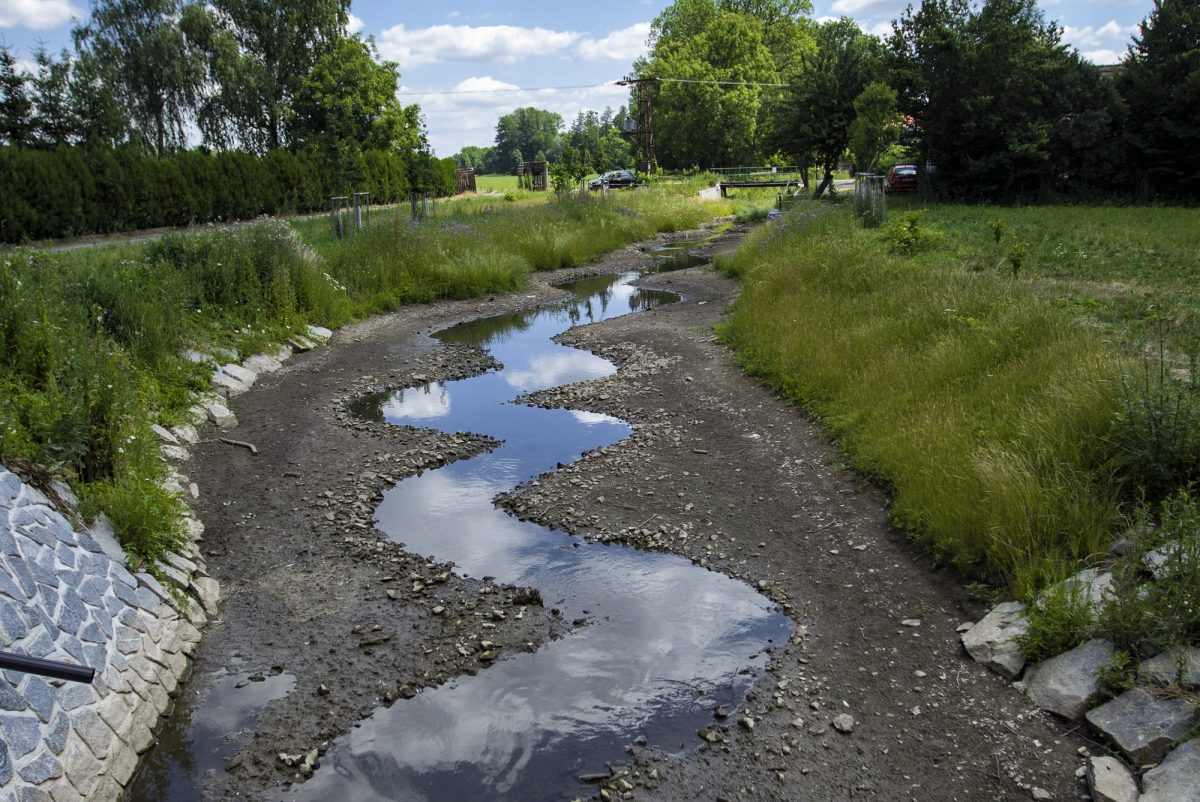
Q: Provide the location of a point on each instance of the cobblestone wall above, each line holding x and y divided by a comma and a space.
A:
66, 595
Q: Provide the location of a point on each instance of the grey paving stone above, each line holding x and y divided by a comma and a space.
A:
49, 598
82, 768
119, 574
44, 572
39, 533
12, 623
69, 577
15, 567
95, 654
91, 633
66, 554
21, 732
26, 515
6, 767
40, 645
75, 695
91, 591
131, 619
71, 645
69, 621
56, 734
9, 588
10, 700
27, 793
1176, 665
95, 733
147, 600
1177, 778
41, 768
40, 696
125, 593
7, 544
94, 565
10, 485
1142, 725
104, 622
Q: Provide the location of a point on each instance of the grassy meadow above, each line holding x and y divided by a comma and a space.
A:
984, 362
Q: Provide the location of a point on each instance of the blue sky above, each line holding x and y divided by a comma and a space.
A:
557, 55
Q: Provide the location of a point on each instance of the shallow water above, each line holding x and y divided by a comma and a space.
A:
665, 641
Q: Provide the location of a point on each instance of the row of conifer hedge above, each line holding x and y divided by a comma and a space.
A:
71, 191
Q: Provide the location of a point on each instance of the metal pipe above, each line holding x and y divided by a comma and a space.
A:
46, 668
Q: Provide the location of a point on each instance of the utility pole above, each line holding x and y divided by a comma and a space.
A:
643, 133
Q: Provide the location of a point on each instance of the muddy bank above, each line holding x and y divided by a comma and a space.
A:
717, 470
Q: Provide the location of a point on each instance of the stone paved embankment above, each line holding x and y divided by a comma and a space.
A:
66, 595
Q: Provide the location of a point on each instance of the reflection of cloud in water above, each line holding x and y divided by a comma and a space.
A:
550, 370
421, 403
592, 418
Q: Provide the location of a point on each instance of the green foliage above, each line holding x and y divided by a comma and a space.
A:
1117, 675
876, 124
1001, 106
1158, 429
1060, 618
1161, 89
982, 404
145, 517
1143, 617
70, 191
699, 122
908, 235
814, 120
525, 130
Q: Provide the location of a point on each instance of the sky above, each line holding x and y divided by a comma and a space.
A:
466, 62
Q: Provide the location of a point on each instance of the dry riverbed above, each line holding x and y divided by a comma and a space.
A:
871, 699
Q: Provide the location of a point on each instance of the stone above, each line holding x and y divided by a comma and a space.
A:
198, 357
319, 333
40, 696
81, 768
263, 363
176, 454
6, 767
300, 344
1176, 665
844, 723
21, 733
63, 791
209, 592
244, 375
1177, 778
150, 583
1093, 584
993, 642
1109, 781
220, 415
95, 733
227, 386
56, 736
1142, 726
1040, 794
164, 434
41, 768
186, 434
1069, 683
10, 700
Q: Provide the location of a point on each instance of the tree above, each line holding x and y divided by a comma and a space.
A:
1161, 87
876, 124
259, 53
995, 96
54, 120
709, 64
528, 130
15, 102
814, 118
157, 72
98, 116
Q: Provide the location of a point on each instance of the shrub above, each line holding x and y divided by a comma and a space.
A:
1060, 618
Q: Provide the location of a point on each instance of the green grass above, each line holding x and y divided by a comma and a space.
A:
496, 183
976, 396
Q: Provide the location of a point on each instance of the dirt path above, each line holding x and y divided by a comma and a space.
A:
718, 470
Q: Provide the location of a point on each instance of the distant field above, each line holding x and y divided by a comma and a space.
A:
496, 183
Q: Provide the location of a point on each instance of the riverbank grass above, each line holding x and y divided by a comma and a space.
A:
977, 398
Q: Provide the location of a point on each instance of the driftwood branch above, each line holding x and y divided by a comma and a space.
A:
241, 443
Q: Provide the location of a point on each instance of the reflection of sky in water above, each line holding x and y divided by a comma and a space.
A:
418, 403
666, 641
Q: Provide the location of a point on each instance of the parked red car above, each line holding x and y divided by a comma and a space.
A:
901, 178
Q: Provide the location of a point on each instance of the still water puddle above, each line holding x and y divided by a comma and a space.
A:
665, 643
213, 720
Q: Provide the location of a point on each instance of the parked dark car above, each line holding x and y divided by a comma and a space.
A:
613, 179
901, 178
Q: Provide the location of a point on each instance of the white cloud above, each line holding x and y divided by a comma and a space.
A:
870, 8
1102, 57
1091, 36
354, 25
503, 44
626, 44
468, 117
37, 14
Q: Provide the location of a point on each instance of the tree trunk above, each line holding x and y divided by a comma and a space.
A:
825, 182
